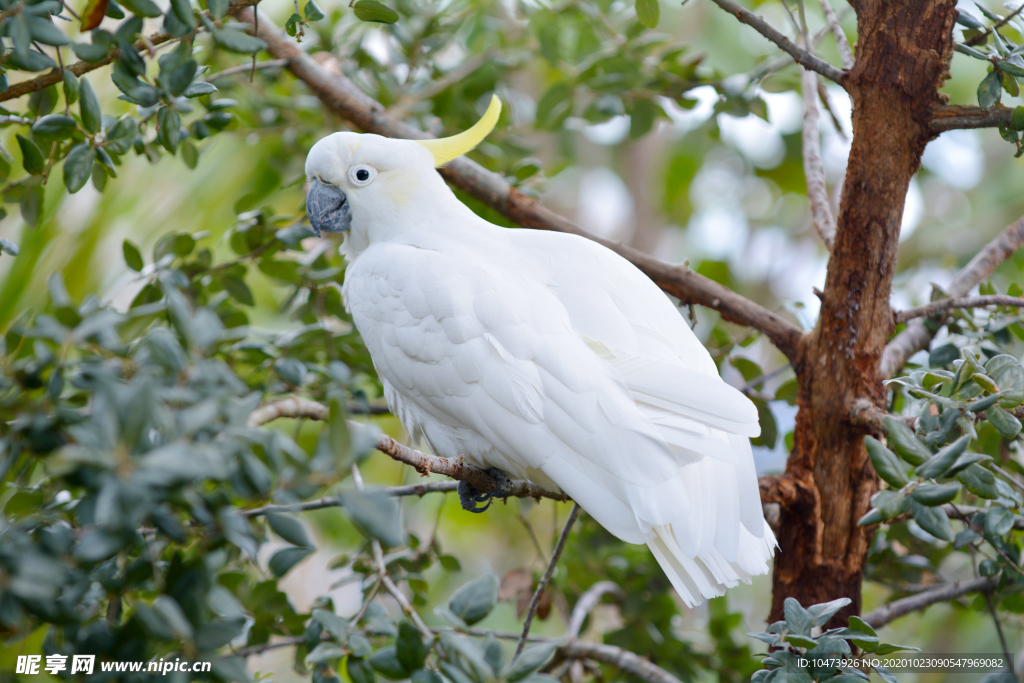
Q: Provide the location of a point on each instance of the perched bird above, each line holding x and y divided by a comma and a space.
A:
543, 355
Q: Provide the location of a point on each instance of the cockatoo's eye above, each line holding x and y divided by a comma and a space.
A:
361, 175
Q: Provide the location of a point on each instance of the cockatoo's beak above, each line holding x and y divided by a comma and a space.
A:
327, 208
446, 149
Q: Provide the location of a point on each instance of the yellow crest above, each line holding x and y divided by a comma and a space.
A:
446, 149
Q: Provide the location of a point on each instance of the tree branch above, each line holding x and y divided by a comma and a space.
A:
916, 336
424, 463
956, 116
814, 170
548, 573
343, 98
83, 67
951, 591
983, 36
842, 43
800, 55
942, 305
586, 604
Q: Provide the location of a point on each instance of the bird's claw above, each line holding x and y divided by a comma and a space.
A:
471, 497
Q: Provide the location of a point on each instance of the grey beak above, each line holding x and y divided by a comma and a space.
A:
327, 208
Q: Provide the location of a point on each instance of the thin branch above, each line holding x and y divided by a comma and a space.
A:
950, 591
916, 335
999, 627
800, 55
943, 305
396, 593
335, 502
814, 169
625, 660
424, 463
535, 600
957, 116
247, 68
83, 67
344, 98
842, 44
983, 36
404, 105
586, 604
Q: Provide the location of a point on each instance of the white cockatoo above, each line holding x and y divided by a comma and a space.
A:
543, 355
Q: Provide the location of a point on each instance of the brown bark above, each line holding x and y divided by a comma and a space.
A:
903, 53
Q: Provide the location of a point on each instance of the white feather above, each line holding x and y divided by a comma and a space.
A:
552, 358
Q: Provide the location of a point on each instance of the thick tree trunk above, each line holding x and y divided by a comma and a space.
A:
903, 53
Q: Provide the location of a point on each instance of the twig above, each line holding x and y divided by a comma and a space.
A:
586, 604
958, 116
345, 99
83, 67
800, 55
999, 630
983, 36
243, 68
424, 463
942, 305
334, 501
1012, 479
398, 595
842, 44
950, 591
916, 336
401, 108
535, 600
814, 169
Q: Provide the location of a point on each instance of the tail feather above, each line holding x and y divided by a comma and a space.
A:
707, 576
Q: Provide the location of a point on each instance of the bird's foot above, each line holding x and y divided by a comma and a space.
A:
471, 497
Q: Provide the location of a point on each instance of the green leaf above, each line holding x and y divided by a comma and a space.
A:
238, 290
359, 671
32, 158
78, 166
980, 481
54, 127
886, 463
385, 662
333, 624
71, 86
132, 256
476, 599
798, 620
31, 203
554, 106
313, 12
286, 558
142, 8
89, 52
236, 41
933, 520
944, 459
409, 647
998, 521
935, 494
371, 10
199, 88
531, 660
1006, 424
376, 514
648, 12
8, 246
990, 88
822, 612
90, 108
183, 11
289, 528
905, 442
325, 652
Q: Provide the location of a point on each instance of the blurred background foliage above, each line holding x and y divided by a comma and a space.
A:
188, 284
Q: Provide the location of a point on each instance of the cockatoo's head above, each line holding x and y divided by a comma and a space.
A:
358, 181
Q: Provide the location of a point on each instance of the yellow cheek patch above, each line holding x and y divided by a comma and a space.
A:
400, 187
